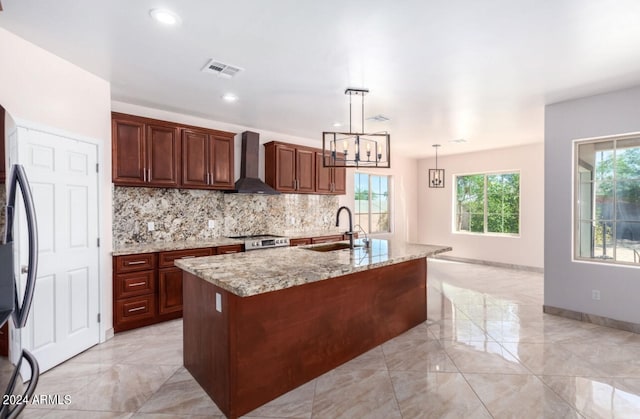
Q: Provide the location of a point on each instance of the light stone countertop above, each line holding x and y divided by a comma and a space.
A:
261, 271
130, 249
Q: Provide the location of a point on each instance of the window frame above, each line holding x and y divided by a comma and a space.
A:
575, 201
389, 204
486, 233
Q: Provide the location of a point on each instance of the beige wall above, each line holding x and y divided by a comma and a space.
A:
43, 89
435, 206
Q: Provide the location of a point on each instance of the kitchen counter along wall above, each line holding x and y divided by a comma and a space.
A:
183, 214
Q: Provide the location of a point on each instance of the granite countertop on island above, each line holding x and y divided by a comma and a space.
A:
130, 249
258, 272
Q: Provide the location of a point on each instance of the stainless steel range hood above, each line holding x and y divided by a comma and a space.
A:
249, 181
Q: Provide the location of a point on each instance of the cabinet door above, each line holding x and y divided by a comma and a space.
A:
324, 176
305, 170
128, 152
327, 239
300, 242
339, 180
162, 155
169, 290
195, 162
221, 162
232, 248
285, 168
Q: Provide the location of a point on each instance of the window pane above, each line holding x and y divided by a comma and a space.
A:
604, 201
628, 159
503, 202
470, 203
603, 240
628, 242
603, 158
477, 223
628, 200
585, 239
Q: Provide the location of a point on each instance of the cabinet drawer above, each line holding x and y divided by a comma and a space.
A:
233, 248
132, 263
135, 309
327, 239
299, 242
134, 283
166, 258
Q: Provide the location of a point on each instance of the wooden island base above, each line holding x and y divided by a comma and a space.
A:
260, 347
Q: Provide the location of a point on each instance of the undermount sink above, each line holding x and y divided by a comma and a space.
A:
331, 247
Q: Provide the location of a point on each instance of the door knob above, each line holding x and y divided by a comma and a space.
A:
24, 269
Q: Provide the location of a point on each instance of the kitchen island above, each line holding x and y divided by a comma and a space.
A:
259, 324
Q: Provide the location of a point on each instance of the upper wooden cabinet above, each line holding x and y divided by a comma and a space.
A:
207, 159
145, 152
149, 152
329, 180
290, 168
298, 169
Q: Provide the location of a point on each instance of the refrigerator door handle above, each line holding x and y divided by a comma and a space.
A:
31, 388
18, 177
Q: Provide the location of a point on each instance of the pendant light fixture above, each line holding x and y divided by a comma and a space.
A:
436, 176
356, 149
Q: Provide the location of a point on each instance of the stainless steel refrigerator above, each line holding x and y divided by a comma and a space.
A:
16, 378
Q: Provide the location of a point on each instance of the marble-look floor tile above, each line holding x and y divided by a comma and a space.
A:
294, 404
436, 395
71, 414
457, 329
370, 360
519, 396
599, 397
355, 394
483, 357
174, 416
180, 395
417, 355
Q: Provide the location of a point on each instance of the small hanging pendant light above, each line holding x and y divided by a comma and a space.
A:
436, 176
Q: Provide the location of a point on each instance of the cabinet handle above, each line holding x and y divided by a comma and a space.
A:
187, 257
136, 284
149, 175
210, 180
144, 175
131, 310
137, 262
295, 183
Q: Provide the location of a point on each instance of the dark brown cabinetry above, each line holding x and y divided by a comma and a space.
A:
290, 168
327, 239
145, 152
150, 152
134, 302
4, 340
147, 287
170, 281
298, 169
300, 242
329, 180
207, 159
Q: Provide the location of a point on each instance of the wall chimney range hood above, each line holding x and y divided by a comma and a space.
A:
249, 182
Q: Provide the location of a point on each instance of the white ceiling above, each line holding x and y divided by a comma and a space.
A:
441, 70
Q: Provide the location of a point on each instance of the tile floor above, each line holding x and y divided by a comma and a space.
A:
486, 351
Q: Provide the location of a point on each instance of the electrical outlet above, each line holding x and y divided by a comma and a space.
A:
293, 220
151, 226
595, 295
211, 224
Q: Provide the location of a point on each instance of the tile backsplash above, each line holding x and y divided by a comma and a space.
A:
184, 214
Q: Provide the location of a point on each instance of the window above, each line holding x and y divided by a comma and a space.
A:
607, 200
488, 203
372, 203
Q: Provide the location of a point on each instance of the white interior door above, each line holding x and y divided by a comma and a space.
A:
63, 320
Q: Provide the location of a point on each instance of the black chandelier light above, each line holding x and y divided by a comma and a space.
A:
353, 149
436, 176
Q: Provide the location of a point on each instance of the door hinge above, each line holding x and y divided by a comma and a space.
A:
97, 167
98, 241
99, 317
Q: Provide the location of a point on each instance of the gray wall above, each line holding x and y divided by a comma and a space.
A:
568, 284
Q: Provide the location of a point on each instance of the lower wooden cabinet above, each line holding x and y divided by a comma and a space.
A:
300, 242
147, 288
4, 340
327, 239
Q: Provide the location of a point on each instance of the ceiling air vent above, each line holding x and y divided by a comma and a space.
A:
221, 69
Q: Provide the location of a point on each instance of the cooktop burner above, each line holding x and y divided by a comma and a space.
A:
262, 241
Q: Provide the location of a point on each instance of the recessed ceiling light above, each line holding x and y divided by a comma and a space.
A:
378, 118
337, 124
230, 97
165, 16
458, 141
